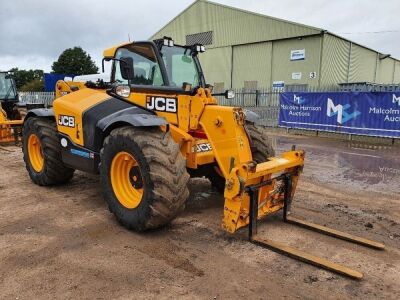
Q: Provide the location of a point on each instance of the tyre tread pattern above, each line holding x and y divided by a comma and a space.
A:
261, 146
167, 173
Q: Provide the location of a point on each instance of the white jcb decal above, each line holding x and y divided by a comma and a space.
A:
162, 104
204, 147
66, 121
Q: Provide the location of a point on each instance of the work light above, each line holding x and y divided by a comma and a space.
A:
200, 48
168, 42
123, 91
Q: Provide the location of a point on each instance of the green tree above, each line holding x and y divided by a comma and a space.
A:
22, 77
36, 85
75, 61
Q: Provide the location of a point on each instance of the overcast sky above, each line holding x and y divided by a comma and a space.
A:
33, 33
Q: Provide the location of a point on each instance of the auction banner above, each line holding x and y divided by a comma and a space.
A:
364, 113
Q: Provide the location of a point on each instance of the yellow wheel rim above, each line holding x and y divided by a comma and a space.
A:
35, 153
126, 180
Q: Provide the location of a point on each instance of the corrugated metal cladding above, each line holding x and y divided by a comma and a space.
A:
344, 61
385, 71
397, 72
362, 64
246, 49
216, 64
230, 26
335, 59
252, 63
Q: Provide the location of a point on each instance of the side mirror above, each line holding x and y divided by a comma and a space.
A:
229, 94
126, 68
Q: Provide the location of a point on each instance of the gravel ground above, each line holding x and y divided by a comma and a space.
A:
62, 242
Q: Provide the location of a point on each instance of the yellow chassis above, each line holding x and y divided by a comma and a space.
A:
7, 134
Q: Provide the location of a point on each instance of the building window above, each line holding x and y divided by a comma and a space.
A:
203, 38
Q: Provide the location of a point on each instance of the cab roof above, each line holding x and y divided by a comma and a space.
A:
110, 52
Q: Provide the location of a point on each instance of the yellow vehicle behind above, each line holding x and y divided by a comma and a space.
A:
10, 115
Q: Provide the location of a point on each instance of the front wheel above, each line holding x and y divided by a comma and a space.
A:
144, 177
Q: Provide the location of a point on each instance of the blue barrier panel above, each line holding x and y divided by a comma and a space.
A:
50, 80
365, 113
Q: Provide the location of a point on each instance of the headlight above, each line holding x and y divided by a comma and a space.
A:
123, 91
229, 94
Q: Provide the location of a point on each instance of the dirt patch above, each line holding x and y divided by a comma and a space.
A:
62, 242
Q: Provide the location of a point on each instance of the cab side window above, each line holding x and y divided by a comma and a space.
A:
145, 65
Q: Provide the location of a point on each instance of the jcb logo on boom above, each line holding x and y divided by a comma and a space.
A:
162, 104
204, 147
66, 121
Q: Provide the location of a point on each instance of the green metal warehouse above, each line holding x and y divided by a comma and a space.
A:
253, 51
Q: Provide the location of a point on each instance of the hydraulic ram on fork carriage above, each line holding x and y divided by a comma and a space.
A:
294, 253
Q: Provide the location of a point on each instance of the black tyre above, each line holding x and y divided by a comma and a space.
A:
144, 177
42, 153
261, 145
261, 148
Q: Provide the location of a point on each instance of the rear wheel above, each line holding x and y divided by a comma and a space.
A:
144, 177
261, 149
42, 153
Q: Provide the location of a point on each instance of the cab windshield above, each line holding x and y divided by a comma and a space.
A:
7, 88
180, 66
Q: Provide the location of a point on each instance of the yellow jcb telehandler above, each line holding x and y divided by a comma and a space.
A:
10, 115
152, 126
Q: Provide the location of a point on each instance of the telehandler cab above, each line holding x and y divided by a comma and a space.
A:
155, 124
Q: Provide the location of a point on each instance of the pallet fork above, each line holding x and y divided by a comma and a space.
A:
292, 252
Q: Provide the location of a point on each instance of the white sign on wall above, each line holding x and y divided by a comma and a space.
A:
298, 54
296, 75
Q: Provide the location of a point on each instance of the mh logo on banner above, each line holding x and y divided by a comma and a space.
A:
396, 99
298, 99
341, 112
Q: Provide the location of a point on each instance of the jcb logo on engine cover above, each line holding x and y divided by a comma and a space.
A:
162, 104
66, 121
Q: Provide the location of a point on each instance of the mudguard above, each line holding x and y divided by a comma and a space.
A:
96, 128
133, 116
251, 116
40, 112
